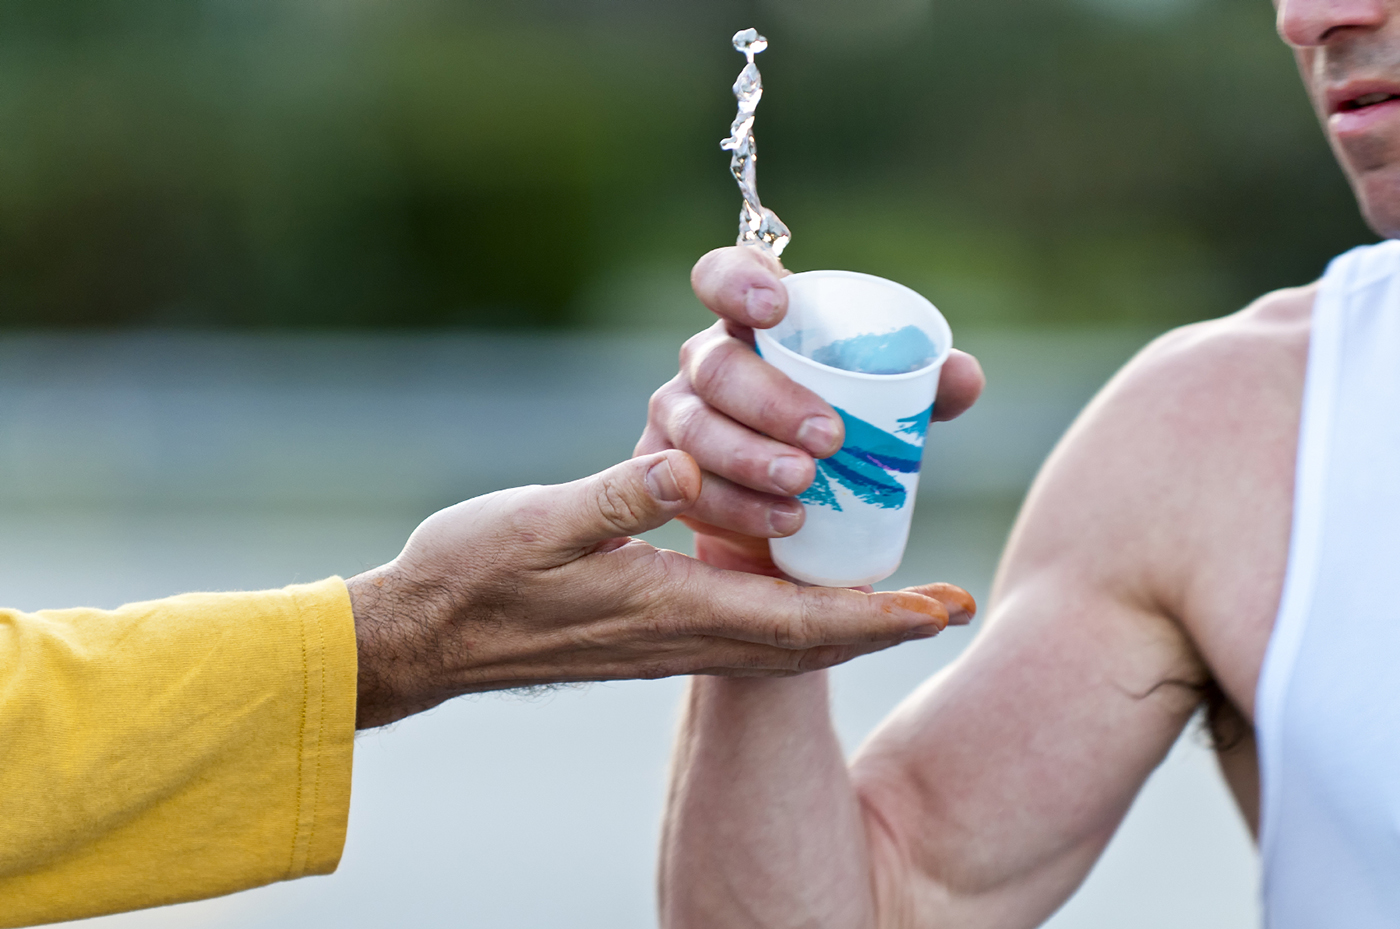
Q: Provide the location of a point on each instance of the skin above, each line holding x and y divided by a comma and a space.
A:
1145, 568
544, 585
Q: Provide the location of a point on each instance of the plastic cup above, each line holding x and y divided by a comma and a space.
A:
861, 503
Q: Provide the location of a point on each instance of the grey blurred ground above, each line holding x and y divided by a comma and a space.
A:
142, 465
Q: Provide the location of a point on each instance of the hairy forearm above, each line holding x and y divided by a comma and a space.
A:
763, 828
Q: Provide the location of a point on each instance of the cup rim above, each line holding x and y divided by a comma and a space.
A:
940, 324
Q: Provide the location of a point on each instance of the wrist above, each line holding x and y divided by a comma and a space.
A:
393, 621
783, 696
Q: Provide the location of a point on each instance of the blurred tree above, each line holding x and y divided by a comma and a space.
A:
479, 162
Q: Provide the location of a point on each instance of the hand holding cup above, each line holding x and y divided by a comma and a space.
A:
755, 433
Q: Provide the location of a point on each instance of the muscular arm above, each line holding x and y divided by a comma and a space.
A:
988, 795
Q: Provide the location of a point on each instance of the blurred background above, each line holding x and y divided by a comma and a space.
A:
418, 163
280, 277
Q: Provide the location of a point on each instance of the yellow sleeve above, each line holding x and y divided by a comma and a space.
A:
172, 750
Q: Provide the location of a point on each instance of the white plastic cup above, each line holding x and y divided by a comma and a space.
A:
861, 503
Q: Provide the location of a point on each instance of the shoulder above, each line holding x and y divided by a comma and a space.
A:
1201, 389
1199, 374
1160, 454
1261, 346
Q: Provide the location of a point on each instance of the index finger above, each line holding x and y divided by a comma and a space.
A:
742, 284
769, 611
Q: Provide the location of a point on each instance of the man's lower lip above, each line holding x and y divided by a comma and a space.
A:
1355, 122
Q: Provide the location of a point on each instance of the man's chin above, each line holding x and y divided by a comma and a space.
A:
1379, 193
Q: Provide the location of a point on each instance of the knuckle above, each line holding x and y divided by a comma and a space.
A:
661, 578
692, 347
808, 626
782, 409
796, 632
702, 269
733, 507
686, 425
679, 601
530, 522
700, 344
773, 408
649, 442
677, 571
618, 507
657, 401
711, 367
660, 403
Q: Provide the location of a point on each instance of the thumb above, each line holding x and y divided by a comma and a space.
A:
628, 498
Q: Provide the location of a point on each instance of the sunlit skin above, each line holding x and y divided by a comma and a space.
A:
1148, 558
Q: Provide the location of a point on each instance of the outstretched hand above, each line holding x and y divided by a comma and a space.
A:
755, 433
543, 584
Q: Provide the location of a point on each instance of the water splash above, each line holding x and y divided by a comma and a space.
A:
757, 223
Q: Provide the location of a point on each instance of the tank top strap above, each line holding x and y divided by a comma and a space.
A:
1327, 707
1309, 480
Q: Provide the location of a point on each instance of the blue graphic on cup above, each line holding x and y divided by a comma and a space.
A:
867, 461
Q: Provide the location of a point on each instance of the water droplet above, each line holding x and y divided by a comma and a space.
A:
749, 42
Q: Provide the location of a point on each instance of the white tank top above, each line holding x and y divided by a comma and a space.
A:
1327, 713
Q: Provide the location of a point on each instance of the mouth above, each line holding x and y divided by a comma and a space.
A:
1358, 109
1360, 96
1375, 98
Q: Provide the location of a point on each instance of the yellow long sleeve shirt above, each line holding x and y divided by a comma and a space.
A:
172, 750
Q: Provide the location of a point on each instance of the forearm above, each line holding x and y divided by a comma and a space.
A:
172, 750
763, 828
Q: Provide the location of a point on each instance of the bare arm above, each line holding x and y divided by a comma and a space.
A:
983, 801
988, 795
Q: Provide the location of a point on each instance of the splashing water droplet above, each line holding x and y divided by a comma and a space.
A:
757, 224
749, 42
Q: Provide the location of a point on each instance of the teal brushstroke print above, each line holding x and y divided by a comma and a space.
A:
916, 424
866, 463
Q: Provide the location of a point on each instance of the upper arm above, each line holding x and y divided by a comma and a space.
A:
991, 791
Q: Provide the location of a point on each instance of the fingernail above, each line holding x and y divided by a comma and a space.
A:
662, 484
817, 434
924, 632
762, 304
926, 606
785, 518
789, 473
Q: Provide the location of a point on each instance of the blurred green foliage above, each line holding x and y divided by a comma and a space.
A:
465, 162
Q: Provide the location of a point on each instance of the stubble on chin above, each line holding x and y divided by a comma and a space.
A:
1379, 196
